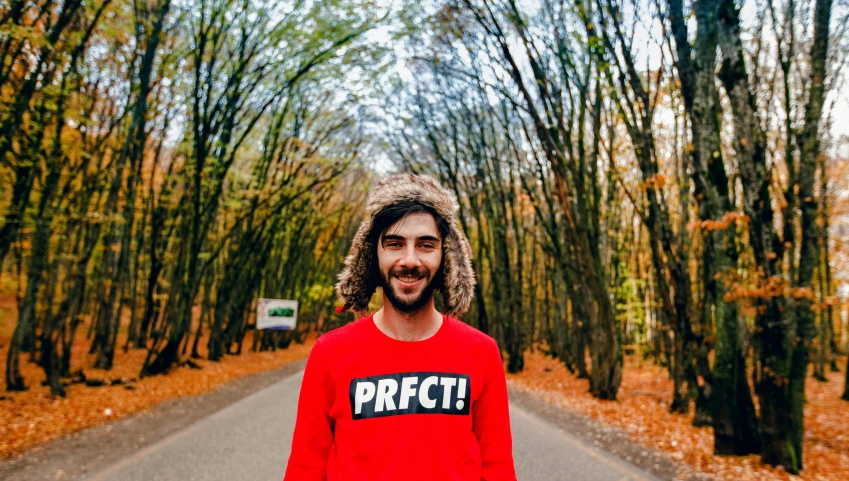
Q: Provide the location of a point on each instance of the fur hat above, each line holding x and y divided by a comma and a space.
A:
355, 287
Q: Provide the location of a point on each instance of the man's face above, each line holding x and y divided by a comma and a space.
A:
409, 256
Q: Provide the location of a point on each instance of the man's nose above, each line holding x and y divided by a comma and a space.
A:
410, 257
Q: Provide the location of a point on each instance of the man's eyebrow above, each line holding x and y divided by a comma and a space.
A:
389, 237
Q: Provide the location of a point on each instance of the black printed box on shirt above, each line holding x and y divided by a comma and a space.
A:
409, 393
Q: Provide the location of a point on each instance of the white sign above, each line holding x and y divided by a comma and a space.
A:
276, 314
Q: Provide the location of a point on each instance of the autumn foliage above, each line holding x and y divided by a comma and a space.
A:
35, 416
642, 412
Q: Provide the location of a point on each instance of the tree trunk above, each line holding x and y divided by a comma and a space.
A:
845, 395
35, 273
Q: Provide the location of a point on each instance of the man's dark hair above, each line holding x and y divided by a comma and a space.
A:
389, 215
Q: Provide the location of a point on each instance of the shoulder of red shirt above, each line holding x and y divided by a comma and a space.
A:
355, 328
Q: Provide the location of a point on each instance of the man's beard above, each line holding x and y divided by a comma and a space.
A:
415, 304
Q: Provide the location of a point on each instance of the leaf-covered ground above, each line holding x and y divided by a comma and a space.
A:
643, 412
35, 416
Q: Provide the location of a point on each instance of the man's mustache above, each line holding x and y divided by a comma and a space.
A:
414, 272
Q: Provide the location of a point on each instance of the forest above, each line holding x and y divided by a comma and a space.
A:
663, 179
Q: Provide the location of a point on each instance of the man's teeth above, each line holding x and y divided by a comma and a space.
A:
408, 279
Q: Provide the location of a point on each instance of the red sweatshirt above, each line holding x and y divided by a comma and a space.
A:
373, 408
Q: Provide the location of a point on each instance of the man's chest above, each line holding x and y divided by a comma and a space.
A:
376, 385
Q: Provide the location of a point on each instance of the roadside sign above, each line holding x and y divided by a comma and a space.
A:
276, 314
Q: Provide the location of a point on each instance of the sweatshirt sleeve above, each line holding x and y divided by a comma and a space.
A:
313, 436
491, 422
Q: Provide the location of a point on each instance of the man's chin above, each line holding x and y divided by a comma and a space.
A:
407, 301
404, 301
408, 308
407, 304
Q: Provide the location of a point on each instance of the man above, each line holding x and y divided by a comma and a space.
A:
406, 393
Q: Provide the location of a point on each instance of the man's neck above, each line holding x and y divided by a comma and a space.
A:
416, 326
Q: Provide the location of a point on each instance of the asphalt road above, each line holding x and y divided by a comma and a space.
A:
250, 440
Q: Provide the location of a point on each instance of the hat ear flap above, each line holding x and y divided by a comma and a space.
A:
459, 277
357, 282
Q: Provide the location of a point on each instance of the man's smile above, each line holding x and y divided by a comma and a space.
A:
408, 282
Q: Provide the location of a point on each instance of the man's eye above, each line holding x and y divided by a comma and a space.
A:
392, 244
428, 246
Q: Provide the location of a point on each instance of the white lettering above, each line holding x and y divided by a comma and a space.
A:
386, 388
423, 392
364, 394
447, 383
408, 390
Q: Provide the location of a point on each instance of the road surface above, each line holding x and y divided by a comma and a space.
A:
250, 440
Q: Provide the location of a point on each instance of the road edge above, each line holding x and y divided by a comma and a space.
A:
612, 440
90, 450
94, 449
